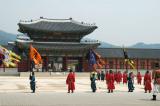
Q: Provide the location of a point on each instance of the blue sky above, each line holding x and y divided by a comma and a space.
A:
120, 22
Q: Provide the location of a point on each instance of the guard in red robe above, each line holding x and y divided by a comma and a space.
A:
119, 77
139, 78
147, 82
116, 76
110, 82
125, 76
70, 81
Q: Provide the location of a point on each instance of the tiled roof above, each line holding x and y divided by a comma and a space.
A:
132, 53
56, 26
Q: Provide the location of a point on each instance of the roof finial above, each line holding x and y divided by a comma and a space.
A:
41, 17
70, 18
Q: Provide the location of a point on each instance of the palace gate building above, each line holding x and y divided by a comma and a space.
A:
59, 41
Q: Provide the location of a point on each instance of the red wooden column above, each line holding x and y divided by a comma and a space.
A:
137, 64
105, 59
107, 63
126, 66
116, 64
80, 64
45, 64
147, 64
83, 63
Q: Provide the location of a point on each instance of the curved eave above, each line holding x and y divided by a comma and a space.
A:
65, 46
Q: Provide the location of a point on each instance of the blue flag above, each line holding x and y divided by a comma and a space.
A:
92, 58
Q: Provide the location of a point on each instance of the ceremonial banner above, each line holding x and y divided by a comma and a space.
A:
94, 60
9, 58
35, 56
128, 60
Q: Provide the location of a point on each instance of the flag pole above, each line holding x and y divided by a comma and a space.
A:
3, 67
125, 62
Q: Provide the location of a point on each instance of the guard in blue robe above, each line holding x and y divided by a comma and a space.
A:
130, 83
93, 82
32, 82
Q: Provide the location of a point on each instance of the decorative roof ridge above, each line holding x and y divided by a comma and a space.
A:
65, 43
55, 20
129, 48
82, 23
44, 19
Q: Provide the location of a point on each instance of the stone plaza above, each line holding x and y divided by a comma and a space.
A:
52, 91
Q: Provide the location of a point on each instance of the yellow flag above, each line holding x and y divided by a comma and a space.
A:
128, 60
9, 57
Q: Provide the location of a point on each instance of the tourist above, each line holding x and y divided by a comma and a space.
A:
147, 82
156, 82
32, 82
70, 81
110, 82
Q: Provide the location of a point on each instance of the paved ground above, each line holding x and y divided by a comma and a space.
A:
15, 91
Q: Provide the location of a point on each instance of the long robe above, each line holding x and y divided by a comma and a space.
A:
156, 84
32, 83
139, 78
147, 82
102, 76
130, 83
116, 76
93, 83
70, 81
111, 81
99, 75
119, 77
125, 78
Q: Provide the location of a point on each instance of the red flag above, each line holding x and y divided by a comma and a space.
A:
35, 56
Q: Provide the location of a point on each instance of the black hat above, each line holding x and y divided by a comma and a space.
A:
70, 70
32, 73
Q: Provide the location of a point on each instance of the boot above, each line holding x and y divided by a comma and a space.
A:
154, 97
112, 91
